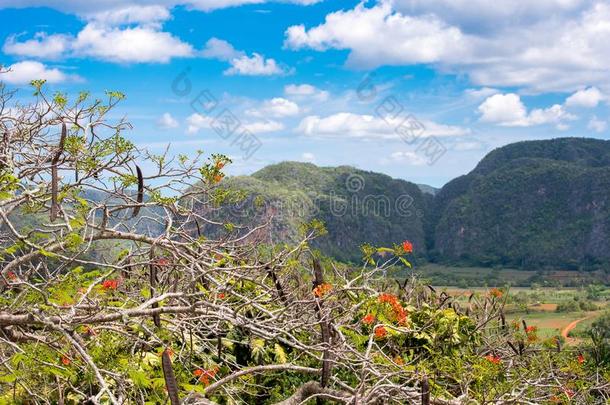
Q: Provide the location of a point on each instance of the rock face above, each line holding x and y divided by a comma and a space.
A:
356, 206
528, 204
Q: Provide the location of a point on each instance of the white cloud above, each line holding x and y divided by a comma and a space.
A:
84, 8
260, 127
308, 157
26, 71
408, 157
482, 92
588, 98
255, 65
549, 45
276, 107
597, 125
377, 36
220, 49
132, 14
305, 91
41, 46
508, 110
109, 35
166, 121
350, 125
138, 44
196, 122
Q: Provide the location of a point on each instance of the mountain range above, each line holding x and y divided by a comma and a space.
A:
528, 205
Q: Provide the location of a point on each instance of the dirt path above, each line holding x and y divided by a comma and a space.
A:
566, 331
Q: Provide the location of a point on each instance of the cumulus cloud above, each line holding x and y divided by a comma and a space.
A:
166, 121
509, 111
196, 122
137, 44
241, 63
308, 157
588, 98
110, 36
550, 45
597, 125
352, 125
26, 71
41, 46
305, 91
255, 65
276, 107
84, 8
377, 35
260, 127
220, 49
408, 157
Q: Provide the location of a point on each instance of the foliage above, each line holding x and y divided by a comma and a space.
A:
96, 309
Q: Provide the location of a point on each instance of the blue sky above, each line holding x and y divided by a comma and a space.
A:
417, 89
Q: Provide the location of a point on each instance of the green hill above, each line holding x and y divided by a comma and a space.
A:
356, 206
528, 204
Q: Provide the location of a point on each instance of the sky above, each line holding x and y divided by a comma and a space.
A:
417, 89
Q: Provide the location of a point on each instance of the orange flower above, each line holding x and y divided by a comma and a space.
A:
493, 359
531, 329
398, 360
380, 332
322, 289
569, 393
65, 361
399, 312
110, 284
580, 359
516, 325
219, 165
206, 375
218, 177
368, 319
407, 246
221, 296
494, 292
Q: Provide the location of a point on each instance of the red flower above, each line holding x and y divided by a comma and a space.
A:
65, 361
368, 319
221, 296
493, 359
407, 246
580, 358
11, 275
322, 289
569, 393
110, 284
163, 261
380, 332
198, 372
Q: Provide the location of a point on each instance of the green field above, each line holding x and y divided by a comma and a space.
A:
539, 307
466, 277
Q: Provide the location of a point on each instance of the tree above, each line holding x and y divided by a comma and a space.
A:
111, 294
